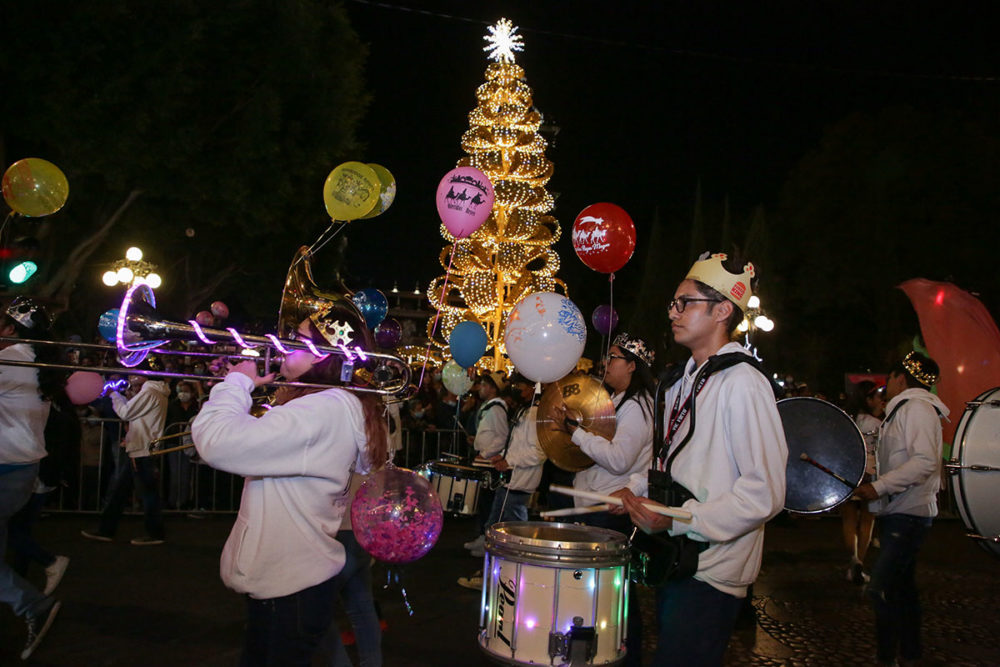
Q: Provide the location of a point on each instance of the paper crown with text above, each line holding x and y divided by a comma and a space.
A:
733, 286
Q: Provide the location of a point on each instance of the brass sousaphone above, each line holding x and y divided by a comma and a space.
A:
588, 402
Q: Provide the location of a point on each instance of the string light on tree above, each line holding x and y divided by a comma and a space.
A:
510, 256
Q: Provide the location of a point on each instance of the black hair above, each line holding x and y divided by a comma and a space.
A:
641, 385
926, 364
51, 382
858, 399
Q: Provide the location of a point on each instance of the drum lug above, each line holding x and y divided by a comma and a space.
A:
578, 646
952, 467
995, 540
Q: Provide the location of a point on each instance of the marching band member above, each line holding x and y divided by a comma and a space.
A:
725, 445
492, 430
629, 375
297, 459
904, 497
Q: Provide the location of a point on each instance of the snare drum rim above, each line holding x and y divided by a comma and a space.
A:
456, 470
610, 552
958, 455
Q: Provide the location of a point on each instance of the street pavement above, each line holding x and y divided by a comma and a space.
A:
165, 605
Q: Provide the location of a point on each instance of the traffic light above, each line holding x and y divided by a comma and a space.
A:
21, 272
18, 261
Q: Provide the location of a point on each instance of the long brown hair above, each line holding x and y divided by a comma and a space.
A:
327, 371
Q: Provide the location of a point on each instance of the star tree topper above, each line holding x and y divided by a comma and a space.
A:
503, 41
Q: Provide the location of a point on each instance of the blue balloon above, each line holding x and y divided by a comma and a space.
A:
468, 343
107, 325
372, 304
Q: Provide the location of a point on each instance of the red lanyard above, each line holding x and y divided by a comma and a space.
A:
677, 417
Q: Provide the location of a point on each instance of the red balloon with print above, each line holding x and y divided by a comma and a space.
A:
604, 237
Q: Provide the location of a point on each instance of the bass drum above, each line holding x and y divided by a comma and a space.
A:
975, 469
820, 435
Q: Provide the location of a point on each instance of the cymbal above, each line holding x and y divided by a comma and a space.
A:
586, 400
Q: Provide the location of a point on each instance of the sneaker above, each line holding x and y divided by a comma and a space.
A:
479, 542
95, 535
475, 582
54, 574
37, 627
147, 541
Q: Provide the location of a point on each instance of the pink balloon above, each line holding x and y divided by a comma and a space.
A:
464, 200
204, 318
219, 309
82, 387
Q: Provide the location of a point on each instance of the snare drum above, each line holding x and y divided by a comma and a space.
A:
458, 486
975, 469
554, 594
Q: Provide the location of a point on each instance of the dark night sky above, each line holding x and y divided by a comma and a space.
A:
649, 97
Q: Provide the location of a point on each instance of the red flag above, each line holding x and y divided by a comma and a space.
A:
961, 337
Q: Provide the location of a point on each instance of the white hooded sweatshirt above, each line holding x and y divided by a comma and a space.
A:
145, 413
909, 454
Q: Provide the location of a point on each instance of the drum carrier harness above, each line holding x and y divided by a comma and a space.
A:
659, 558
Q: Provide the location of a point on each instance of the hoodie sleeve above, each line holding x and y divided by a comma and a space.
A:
922, 426
282, 442
633, 439
757, 445
137, 407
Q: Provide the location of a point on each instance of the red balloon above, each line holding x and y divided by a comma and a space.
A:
204, 318
604, 237
219, 309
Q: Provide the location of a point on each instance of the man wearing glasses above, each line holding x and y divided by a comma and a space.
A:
724, 443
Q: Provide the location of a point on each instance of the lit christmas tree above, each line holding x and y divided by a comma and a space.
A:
510, 256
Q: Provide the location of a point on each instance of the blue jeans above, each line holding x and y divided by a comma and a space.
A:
696, 621
286, 631
120, 492
15, 490
515, 508
24, 546
354, 584
893, 586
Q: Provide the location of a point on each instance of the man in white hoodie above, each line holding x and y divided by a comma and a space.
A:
725, 445
145, 413
904, 497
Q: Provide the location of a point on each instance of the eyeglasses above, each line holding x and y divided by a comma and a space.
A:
614, 356
681, 302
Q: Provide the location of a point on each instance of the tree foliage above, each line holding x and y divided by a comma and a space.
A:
226, 117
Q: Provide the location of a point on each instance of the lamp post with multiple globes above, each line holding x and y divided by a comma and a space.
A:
131, 271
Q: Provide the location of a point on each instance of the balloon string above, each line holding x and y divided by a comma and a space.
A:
437, 315
611, 320
3, 227
320, 241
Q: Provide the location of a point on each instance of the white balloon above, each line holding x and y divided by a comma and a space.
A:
545, 336
455, 378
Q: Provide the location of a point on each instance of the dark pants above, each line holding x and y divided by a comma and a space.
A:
286, 631
633, 637
26, 549
696, 621
893, 586
120, 493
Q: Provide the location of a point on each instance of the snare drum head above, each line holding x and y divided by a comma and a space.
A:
827, 435
456, 470
544, 541
977, 492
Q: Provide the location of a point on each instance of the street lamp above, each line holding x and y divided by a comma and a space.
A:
131, 271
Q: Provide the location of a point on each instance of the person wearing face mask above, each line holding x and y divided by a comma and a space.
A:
146, 413
180, 411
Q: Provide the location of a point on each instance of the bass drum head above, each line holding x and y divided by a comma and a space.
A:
828, 436
977, 492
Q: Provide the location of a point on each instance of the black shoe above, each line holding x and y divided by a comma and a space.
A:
37, 627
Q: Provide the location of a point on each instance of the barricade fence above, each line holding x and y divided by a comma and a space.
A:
187, 484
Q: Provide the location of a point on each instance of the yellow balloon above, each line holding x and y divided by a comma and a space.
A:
387, 191
35, 187
351, 191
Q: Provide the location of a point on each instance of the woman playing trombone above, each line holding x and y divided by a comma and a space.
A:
297, 459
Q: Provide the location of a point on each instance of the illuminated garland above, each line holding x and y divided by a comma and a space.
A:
489, 270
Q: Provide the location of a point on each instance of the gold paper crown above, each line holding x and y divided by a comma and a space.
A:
735, 287
336, 330
916, 369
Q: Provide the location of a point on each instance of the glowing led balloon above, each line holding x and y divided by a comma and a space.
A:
351, 191
34, 187
545, 336
396, 515
464, 200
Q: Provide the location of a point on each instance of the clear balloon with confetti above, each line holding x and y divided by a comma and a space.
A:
396, 515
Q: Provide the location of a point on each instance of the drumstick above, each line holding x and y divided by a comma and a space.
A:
808, 459
674, 512
571, 511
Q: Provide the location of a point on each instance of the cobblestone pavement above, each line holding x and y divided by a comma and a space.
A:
126, 605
